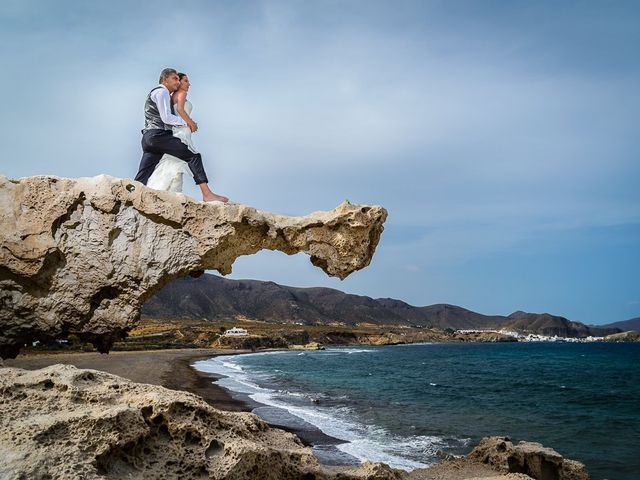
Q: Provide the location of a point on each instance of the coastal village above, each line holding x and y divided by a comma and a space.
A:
254, 335
535, 337
257, 335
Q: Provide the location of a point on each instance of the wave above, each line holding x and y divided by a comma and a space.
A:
351, 350
362, 441
232, 365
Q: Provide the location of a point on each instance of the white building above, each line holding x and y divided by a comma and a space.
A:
236, 332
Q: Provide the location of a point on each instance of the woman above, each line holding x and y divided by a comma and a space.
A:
169, 172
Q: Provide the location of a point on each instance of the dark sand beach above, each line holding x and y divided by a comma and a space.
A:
172, 369
168, 368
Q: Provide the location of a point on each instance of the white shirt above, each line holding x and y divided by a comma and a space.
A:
163, 101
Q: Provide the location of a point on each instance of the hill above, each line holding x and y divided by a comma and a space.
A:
213, 298
633, 324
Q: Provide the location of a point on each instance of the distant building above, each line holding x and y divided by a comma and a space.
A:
236, 332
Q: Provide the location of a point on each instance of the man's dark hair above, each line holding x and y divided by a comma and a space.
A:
181, 75
166, 72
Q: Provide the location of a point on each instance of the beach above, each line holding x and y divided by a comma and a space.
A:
413, 405
172, 369
167, 368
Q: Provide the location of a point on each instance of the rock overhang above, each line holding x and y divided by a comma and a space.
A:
81, 256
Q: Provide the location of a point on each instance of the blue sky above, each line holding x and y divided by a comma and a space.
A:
502, 136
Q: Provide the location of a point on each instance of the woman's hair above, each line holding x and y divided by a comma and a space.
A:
181, 75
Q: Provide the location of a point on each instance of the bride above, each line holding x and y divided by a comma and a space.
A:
170, 170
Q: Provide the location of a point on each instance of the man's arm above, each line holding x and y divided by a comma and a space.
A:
162, 99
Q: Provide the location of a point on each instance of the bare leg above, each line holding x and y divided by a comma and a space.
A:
209, 196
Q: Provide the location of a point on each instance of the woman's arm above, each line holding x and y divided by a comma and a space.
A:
180, 98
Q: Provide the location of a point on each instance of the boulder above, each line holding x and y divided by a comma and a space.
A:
530, 458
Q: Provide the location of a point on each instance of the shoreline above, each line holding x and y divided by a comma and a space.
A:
171, 369
168, 368
324, 445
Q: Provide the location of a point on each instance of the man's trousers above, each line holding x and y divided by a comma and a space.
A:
155, 143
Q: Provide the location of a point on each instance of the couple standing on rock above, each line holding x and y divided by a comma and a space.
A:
168, 151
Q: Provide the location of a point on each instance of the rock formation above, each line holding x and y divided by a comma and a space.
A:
61, 422
498, 455
81, 256
64, 422
630, 336
530, 458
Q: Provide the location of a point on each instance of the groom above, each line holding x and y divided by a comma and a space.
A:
158, 139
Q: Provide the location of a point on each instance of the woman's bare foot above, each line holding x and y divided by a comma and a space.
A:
212, 197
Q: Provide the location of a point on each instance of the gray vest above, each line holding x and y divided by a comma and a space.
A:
152, 119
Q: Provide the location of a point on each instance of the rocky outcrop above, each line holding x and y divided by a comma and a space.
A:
251, 342
530, 458
81, 256
631, 336
489, 337
64, 422
61, 422
553, 325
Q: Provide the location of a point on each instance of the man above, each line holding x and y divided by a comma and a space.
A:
158, 139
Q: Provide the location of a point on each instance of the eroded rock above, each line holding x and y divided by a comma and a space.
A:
81, 256
530, 458
65, 422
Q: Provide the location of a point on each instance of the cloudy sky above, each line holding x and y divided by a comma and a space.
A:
502, 136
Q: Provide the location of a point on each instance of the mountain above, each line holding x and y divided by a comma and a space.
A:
215, 298
633, 324
546, 324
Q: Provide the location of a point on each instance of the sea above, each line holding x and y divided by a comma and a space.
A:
411, 406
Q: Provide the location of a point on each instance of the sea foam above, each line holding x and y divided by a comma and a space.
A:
364, 442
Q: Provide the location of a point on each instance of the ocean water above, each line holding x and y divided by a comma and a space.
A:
409, 405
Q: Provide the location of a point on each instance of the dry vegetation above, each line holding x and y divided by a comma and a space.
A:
154, 333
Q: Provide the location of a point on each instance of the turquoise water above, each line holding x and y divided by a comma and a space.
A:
407, 405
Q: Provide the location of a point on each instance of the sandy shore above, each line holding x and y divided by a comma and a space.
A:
172, 369
168, 368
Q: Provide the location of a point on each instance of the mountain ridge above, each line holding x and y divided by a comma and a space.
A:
633, 324
215, 298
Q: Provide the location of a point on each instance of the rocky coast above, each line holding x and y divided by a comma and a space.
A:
80, 257
64, 416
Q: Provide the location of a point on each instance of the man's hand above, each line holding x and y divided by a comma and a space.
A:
193, 126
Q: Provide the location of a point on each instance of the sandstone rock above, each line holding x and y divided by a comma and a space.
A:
540, 463
371, 471
61, 422
508, 476
81, 256
463, 468
307, 346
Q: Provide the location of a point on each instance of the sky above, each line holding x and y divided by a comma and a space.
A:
503, 137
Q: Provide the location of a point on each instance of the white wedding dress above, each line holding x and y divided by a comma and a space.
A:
170, 170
